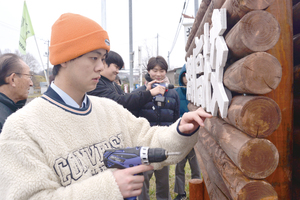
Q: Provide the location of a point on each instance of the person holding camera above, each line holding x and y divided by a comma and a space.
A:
156, 114
106, 87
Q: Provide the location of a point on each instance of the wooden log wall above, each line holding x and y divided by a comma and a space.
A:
248, 155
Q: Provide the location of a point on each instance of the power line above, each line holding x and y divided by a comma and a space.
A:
9, 26
185, 5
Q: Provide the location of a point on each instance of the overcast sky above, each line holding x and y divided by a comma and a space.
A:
150, 17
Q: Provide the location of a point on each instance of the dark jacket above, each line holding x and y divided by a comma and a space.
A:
7, 107
163, 116
182, 93
130, 101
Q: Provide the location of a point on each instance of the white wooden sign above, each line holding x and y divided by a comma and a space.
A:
206, 65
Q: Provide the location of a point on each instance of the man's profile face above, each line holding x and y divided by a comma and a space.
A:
110, 72
83, 73
23, 81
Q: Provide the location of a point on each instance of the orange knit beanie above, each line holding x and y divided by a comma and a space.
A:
74, 35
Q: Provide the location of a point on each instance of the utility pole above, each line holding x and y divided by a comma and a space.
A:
130, 47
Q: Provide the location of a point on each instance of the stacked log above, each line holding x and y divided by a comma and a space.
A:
235, 11
239, 155
256, 158
262, 67
257, 31
239, 185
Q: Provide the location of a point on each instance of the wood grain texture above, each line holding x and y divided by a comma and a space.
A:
196, 187
257, 31
257, 73
257, 116
236, 9
212, 189
283, 95
239, 186
256, 158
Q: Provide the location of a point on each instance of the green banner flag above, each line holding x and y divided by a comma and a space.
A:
26, 29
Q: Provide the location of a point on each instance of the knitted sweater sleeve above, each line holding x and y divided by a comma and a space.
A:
26, 174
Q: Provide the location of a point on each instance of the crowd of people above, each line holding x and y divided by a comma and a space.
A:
52, 148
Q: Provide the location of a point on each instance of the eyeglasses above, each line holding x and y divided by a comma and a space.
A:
29, 75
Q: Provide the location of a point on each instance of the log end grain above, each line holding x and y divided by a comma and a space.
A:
258, 158
261, 30
257, 190
257, 116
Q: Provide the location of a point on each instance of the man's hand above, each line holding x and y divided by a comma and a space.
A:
129, 184
190, 121
157, 90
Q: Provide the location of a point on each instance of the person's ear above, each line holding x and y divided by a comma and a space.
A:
11, 79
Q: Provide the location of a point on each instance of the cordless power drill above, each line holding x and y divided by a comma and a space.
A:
130, 157
160, 100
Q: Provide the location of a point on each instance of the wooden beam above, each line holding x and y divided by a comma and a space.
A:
196, 188
283, 95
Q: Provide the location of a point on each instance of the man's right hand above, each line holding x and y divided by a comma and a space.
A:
158, 90
130, 184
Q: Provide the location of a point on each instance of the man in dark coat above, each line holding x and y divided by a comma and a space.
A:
15, 81
106, 87
165, 115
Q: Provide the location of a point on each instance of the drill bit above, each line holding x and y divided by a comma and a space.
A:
173, 153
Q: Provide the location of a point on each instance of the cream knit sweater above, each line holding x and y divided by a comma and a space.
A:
51, 151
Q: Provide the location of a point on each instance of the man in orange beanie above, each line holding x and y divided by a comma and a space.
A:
53, 147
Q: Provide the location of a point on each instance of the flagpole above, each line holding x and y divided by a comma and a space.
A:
42, 62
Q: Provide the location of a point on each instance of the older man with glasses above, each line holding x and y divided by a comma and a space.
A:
15, 81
